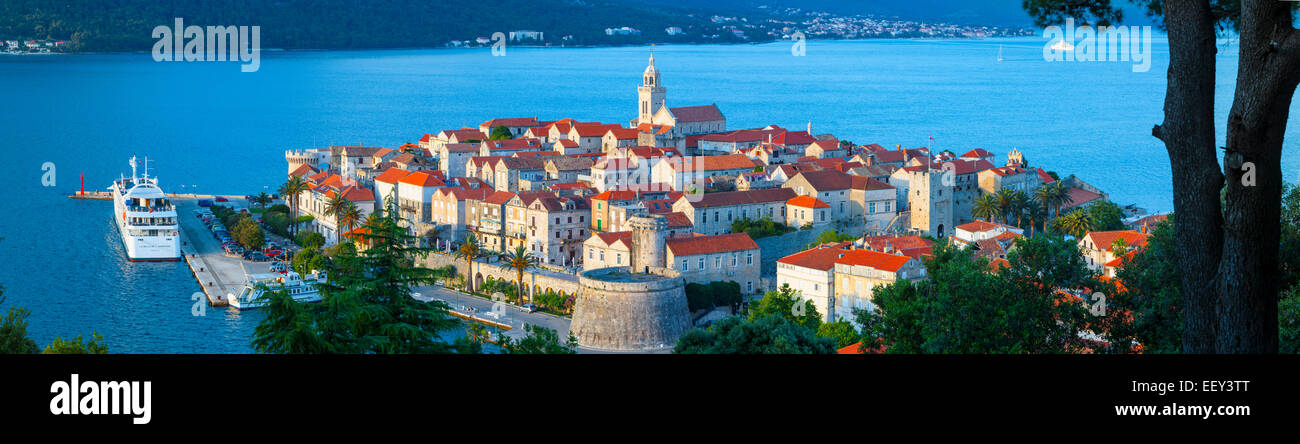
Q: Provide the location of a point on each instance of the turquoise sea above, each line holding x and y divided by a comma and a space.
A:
209, 128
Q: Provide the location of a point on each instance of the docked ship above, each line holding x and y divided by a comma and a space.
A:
145, 217
301, 290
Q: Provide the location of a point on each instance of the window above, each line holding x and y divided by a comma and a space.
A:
602, 255
717, 262
749, 286
701, 263
733, 260
749, 258
591, 254
871, 208
618, 259
685, 265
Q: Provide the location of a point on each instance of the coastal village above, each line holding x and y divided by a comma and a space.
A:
676, 189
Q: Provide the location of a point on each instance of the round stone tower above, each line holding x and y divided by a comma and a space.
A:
641, 307
649, 241
621, 311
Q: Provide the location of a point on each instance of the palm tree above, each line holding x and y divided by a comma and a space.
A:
350, 217
1054, 195
1005, 200
1036, 212
291, 190
985, 208
469, 250
335, 206
1075, 223
262, 200
520, 260
1021, 202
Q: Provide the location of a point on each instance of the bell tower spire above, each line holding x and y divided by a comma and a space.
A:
651, 94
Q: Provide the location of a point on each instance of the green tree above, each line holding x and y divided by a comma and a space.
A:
963, 308
248, 233
985, 208
790, 304
768, 334
841, 331
13, 330
1077, 223
366, 305
500, 132
469, 250
520, 260
829, 237
1106, 216
292, 191
1288, 321
75, 346
1229, 247
310, 239
539, 340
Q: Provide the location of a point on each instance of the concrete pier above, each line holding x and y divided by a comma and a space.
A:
221, 277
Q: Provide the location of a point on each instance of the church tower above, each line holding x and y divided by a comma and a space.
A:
650, 94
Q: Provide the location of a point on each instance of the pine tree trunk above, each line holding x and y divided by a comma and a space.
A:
1188, 134
1266, 81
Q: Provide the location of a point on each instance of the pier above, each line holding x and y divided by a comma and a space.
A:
220, 276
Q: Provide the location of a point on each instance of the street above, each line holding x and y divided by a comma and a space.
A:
482, 308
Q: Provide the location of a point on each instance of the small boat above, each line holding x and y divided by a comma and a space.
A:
1000, 53
301, 290
1062, 45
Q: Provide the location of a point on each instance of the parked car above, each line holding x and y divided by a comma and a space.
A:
530, 308
278, 267
221, 199
258, 257
205, 203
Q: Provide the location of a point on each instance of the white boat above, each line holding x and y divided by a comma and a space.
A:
301, 290
145, 218
1062, 45
1000, 53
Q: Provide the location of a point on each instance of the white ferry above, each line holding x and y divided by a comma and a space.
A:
145, 217
301, 290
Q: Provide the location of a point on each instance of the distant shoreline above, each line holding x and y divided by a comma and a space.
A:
409, 48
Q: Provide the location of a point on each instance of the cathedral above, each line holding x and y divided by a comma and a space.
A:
662, 126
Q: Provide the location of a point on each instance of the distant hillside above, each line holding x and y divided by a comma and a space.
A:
964, 12
125, 25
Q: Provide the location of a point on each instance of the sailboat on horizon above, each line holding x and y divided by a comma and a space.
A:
1000, 53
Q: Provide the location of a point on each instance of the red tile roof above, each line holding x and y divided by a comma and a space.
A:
304, 171
1103, 240
703, 113
624, 133
728, 198
422, 179
689, 246
977, 152
979, 226
820, 258
392, 175
873, 259
807, 202
712, 163
514, 121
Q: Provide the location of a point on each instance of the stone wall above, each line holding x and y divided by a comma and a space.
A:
619, 311
538, 281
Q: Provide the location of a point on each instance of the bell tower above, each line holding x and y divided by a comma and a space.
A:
651, 93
